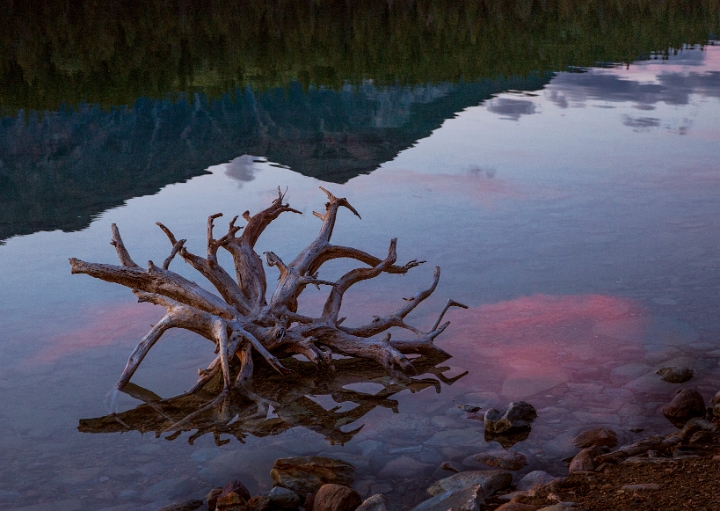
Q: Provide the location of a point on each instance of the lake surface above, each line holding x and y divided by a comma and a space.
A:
574, 210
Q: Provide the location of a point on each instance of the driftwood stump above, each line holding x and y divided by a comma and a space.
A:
241, 321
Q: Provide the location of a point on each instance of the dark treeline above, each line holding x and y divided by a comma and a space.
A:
55, 52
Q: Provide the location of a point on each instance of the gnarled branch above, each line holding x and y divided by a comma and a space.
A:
241, 324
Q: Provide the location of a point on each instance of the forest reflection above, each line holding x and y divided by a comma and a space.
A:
112, 53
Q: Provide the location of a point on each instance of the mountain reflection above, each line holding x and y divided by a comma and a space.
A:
272, 404
103, 101
60, 170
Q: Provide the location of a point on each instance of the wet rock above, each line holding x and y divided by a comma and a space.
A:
701, 437
212, 497
237, 487
533, 479
470, 408
509, 438
449, 466
686, 404
283, 499
602, 437
306, 474
377, 502
231, 502
309, 502
516, 506
519, 415
257, 503
461, 499
584, 461
165, 489
675, 375
491, 481
403, 466
336, 497
716, 398
466, 437
188, 505
506, 460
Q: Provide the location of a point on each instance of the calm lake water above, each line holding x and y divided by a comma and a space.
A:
575, 212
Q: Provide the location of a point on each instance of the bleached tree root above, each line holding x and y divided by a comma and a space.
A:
241, 322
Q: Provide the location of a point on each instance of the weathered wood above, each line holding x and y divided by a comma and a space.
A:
241, 322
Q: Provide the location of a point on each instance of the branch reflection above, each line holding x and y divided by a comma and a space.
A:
272, 404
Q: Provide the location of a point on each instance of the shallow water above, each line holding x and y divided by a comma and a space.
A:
577, 221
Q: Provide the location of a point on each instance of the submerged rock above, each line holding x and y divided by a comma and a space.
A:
519, 415
491, 481
306, 474
533, 479
377, 502
686, 404
675, 375
461, 499
506, 460
283, 499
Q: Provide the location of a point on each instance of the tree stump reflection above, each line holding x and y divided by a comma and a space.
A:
271, 404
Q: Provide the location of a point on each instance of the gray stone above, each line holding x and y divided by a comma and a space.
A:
462, 499
165, 489
686, 404
518, 385
602, 437
377, 502
466, 437
491, 481
57, 505
630, 370
282, 498
306, 474
519, 414
403, 466
533, 479
675, 375
648, 384
506, 460
9, 495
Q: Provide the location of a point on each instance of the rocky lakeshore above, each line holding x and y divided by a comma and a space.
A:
680, 470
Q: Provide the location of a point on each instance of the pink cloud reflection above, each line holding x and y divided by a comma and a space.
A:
524, 346
516, 348
104, 326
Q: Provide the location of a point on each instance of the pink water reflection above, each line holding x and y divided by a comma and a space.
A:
106, 325
521, 347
